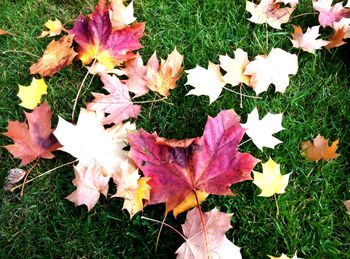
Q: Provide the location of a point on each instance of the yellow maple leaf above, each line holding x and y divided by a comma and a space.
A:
271, 181
55, 28
190, 201
31, 95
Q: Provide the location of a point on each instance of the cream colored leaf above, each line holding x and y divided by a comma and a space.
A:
205, 81
261, 131
272, 69
122, 15
308, 41
270, 181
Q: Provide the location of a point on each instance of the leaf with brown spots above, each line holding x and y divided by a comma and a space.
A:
57, 55
319, 149
35, 139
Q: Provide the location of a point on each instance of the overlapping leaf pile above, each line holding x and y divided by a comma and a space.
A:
179, 173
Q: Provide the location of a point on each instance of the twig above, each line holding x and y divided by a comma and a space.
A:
160, 231
165, 224
299, 15
240, 96
244, 142
45, 173
249, 96
20, 51
26, 175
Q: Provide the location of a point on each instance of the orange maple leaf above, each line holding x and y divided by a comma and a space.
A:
319, 149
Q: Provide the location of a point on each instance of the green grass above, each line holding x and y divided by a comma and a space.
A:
312, 219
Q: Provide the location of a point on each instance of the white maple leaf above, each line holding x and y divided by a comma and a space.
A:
308, 41
260, 131
88, 140
206, 81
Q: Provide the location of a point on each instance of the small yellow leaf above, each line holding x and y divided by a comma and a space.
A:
190, 202
271, 181
55, 28
31, 95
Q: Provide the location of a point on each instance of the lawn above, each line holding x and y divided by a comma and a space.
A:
310, 219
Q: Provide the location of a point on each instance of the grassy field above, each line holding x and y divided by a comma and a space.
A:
312, 219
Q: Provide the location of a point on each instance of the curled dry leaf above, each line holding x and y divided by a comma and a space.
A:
55, 28
270, 181
270, 12
57, 55
261, 131
330, 13
31, 95
272, 69
89, 141
206, 81
97, 40
209, 164
122, 15
216, 225
117, 104
14, 176
35, 139
307, 41
319, 149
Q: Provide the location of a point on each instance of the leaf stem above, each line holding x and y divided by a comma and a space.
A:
160, 231
249, 96
278, 209
165, 224
20, 51
299, 15
45, 173
26, 175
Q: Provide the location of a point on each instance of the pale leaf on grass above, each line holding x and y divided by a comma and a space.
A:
308, 41
330, 13
14, 176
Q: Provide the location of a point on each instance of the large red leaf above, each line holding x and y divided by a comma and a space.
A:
210, 163
97, 40
36, 139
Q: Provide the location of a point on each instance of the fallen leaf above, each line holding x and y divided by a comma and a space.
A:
261, 131
136, 73
308, 41
336, 39
272, 69
122, 15
189, 202
35, 139
216, 225
347, 205
98, 68
90, 182
117, 104
131, 187
55, 28
89, 141
205, 81
270, 181
31, 95
283, 256
209, 164
14, 176
292, 3
163, 77
330, 13
96, 39
319, 149
57, 55
235, 68
270, 12
343, 24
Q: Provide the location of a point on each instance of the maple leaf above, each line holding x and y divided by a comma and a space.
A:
14, 176
136, 73
261, 131
283, 256
90, 182
189, 202
336, 39
163, 77
270, 12
235, 68
118, 103
88, 140
343, 24
209, 164
330, 13
216, 225
35, 139
319, 149
122, 15
308, 41
270, 181
97, 41
205, 81
272, 69
57, 55
55, 28
98, 68
131, 187
347, 206
31, 95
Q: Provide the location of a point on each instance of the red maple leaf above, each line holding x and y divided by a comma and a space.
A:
35, 139
210, 163
97, 40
